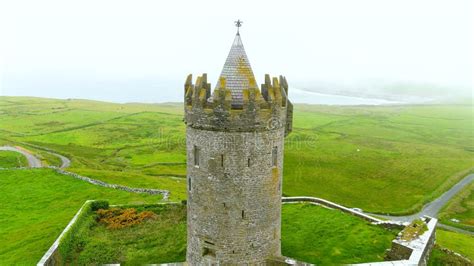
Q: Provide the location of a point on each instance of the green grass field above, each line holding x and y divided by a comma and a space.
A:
37, 204
346, 238
460, 207
324, 236
460, 243
9, 159
385, 159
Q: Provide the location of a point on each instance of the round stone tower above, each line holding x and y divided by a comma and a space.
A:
235, 140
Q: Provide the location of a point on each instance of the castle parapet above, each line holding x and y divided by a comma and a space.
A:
265, 109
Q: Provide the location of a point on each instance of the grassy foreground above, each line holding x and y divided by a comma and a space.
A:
161, 239
10, 159
459, 243
385, 159
440, 257
327, 237
36, 205
460, 207
309, 233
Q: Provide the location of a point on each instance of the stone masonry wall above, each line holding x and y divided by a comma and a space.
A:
411, 252
234, 196
150, 191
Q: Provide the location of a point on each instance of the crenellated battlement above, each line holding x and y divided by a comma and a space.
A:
265, 109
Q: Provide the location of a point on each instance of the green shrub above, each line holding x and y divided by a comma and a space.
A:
99, 204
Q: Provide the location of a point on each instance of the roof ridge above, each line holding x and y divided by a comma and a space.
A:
237, 71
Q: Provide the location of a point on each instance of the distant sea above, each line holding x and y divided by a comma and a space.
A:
153, 91
309, 97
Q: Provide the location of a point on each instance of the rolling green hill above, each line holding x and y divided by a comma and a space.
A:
386, 159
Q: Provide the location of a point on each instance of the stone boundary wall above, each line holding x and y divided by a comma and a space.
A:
327, 203
423, 244
17, 168
48, 257
414, 252
150, 191
420, 247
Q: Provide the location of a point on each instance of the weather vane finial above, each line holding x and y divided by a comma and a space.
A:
238, 24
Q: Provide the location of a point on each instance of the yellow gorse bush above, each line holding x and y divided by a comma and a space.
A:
116, 218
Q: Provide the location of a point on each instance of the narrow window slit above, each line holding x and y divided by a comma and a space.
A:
208, 242
275, 156
196, 156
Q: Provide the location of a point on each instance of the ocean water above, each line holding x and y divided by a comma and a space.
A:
309, 97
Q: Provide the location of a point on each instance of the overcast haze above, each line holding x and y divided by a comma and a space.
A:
142, 50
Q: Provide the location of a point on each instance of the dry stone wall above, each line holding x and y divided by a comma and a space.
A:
150, 191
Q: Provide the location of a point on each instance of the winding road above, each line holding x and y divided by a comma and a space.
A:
33, 161
65, 162
430, 209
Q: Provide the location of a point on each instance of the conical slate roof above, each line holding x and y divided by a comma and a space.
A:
237, 71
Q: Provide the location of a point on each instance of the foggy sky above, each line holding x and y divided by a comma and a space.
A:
143, 50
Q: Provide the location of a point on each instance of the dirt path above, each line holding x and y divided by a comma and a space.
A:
33, 161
